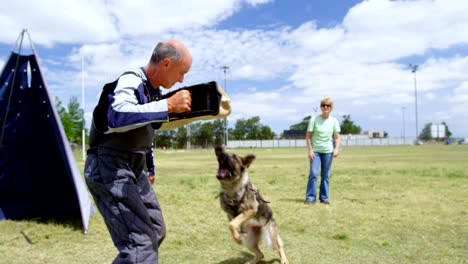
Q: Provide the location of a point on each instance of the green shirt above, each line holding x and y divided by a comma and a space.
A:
323, 130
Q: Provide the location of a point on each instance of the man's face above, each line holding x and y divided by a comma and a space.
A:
174, 71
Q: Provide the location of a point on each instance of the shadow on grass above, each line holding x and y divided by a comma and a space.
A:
247, 256
293, 200
70, 221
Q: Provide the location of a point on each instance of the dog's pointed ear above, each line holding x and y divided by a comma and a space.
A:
218, 150
247, 160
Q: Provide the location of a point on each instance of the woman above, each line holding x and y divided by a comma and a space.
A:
322, 130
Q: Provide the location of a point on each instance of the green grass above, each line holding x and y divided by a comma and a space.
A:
402, 204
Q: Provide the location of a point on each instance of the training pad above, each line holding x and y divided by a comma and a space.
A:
206, 100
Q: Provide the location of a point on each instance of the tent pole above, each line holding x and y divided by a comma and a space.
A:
20, 38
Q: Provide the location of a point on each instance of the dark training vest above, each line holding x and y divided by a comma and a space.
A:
134, 140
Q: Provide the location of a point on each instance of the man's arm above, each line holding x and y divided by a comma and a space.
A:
150, 165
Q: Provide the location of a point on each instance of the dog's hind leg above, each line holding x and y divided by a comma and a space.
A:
251, 240
280, 250
277, 242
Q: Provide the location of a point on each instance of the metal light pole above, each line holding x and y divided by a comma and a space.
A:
414, 68
83, 133
403, 116
225, 68
189, 137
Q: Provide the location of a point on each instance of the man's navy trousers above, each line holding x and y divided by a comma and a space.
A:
124, 196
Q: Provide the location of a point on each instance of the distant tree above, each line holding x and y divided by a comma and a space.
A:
239, 131
164, 139
448, 134
76, 117
181, 137
302, 125
348, 126
72, 119
426, 132
194, 133
266, 133
202, 134
64, 117
205, 135
250, 129
218, 131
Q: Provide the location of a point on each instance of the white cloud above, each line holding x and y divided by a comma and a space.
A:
383, 30
53, 21
96, 21
141, 17
257, 2
313, 40
459, 99
278, 74
461, 93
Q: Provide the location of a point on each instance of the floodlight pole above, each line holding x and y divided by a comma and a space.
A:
225, 68
189, 144
403, 116
414, 68
83, 133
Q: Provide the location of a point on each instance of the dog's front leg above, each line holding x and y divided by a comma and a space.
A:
236, 223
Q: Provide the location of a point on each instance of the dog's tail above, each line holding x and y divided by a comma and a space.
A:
271, 237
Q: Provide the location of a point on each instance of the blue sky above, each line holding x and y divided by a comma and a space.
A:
284, 56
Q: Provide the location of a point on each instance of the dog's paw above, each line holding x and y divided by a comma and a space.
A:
237, 237
235, 234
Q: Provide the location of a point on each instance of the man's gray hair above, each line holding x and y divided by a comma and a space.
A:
165, 50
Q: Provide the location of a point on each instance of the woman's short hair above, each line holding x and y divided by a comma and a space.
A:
328, 101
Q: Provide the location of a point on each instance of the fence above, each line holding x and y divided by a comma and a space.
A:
300, 143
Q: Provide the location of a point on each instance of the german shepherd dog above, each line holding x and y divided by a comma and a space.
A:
250, 217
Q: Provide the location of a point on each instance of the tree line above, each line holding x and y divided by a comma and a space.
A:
72, 118
206, 133
347, 125
202, 134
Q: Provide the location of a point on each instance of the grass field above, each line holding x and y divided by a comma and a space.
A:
402, 204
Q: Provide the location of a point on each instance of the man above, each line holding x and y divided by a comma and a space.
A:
128, 112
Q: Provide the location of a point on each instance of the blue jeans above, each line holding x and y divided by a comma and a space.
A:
322, 162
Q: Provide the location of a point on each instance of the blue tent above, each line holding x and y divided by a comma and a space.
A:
39, 176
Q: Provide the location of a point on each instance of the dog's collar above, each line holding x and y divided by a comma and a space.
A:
237, 198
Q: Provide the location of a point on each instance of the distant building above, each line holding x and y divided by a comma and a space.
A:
438, 131
294, 134
375, 133
301, 134
354, 136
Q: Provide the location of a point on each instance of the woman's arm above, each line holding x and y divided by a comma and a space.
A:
337, 138
309, 145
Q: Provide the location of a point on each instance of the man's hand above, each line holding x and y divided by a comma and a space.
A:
151, 178
180, 102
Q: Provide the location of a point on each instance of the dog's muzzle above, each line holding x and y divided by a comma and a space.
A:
223, 173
